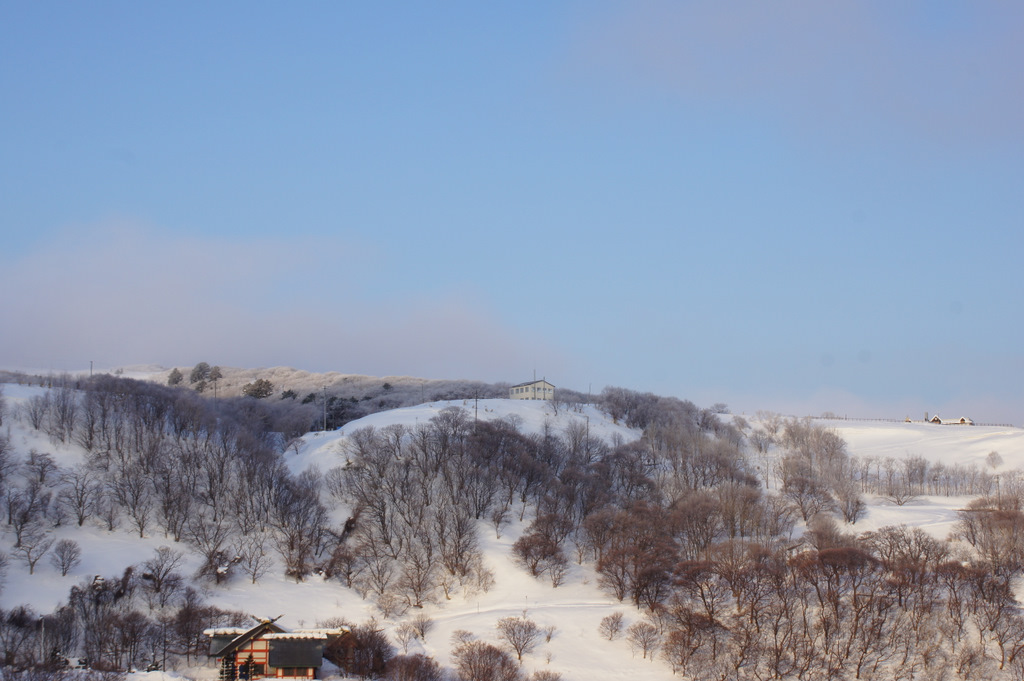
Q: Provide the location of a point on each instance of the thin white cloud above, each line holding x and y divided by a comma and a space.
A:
124, 293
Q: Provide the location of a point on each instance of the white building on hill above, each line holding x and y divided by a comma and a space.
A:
534, 390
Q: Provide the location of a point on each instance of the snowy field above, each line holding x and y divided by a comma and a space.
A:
575, 650
949, 445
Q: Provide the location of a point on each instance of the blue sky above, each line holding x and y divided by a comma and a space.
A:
796, 206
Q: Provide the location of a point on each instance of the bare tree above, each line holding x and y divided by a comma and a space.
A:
159, 575
418, 576
371, 652
66, 556
296, 545
762, 440
422, 623
133, 491
79, 492
405, 633
17, 634
849, 501
301, 522
108, 510
210, 539
414, 668
499, 518
611, 626
770, 421
479, 661
379, 567
24, 509
63, 414
545, 675
40, 468
521, 634
897, 487
35, 543
255, 560
644, 637
994, 459
36, 409
541, 554
807, 494
8, 462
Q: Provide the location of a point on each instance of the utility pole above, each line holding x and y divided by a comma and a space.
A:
588, 437
325, 408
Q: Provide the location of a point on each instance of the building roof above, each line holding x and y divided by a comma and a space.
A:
336, 631
962, 419
523, 385
223, 641
224, 631
296, 652
299, 648
295, 635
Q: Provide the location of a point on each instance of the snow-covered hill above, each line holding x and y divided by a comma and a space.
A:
949, 445
326, 450
574, 609
941, 444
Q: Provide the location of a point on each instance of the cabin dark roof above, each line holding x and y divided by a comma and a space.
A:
296, 652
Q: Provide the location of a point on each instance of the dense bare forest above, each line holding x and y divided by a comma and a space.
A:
735, 540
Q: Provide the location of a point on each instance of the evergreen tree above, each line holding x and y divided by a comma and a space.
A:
259, 389
200, 373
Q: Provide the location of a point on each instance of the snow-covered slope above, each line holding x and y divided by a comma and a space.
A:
940, 444
326, 450
575, 650
948, 445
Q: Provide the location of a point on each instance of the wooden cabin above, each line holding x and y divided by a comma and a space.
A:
268, 651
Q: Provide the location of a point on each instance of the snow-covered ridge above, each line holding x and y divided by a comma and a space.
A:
325, 449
